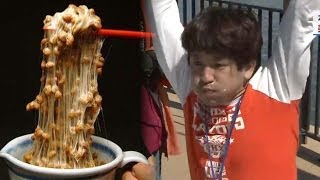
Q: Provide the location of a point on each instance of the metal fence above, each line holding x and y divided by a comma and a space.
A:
269, 19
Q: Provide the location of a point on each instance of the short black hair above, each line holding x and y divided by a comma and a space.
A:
225, 32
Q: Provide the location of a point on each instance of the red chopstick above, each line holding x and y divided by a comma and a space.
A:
122, 33
125, 33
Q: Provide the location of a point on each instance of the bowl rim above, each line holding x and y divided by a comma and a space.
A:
63, 172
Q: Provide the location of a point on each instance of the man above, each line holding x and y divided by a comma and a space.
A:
240, 124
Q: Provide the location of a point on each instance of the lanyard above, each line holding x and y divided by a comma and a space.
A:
227, 142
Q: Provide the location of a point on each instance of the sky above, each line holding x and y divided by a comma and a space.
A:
264, 3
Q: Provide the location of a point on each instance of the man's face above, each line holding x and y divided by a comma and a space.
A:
217, 81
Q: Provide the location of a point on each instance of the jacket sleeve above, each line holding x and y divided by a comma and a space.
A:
165, 21
285, 75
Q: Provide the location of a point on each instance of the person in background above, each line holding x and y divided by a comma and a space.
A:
240, 123
157, 126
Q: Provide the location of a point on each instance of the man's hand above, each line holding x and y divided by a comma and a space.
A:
141, 171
